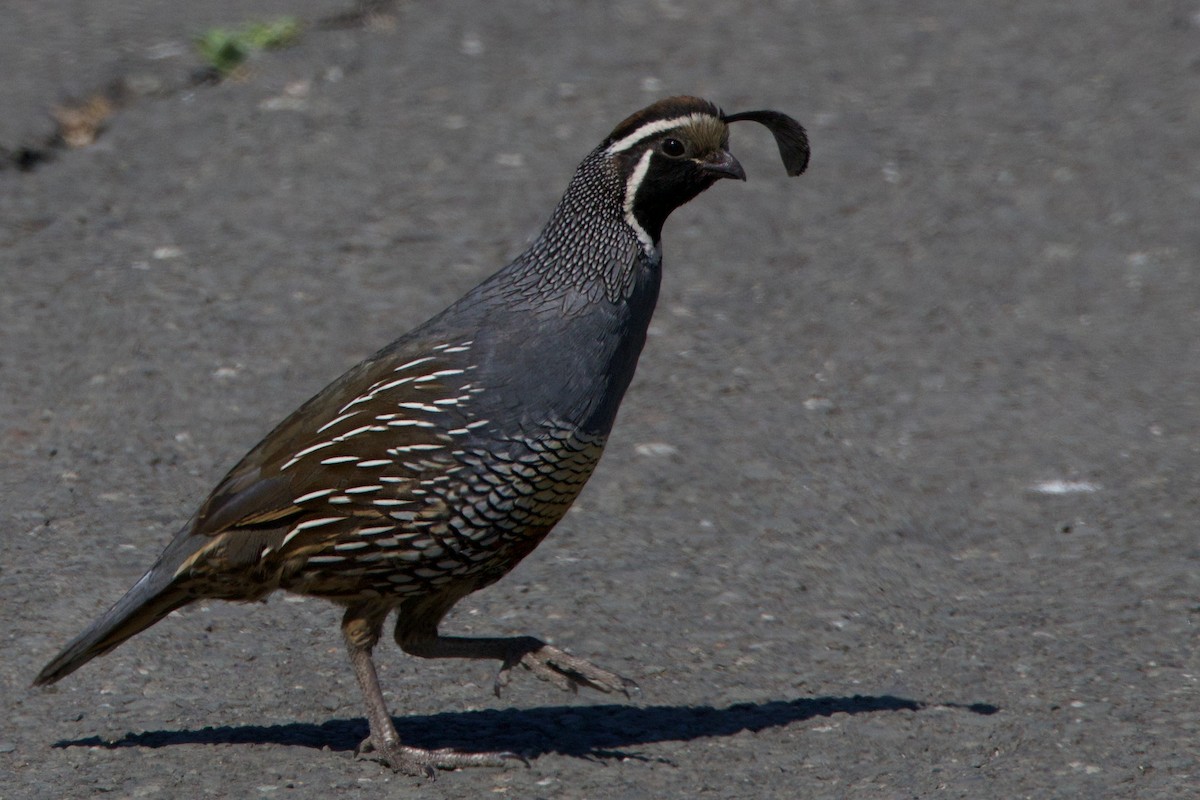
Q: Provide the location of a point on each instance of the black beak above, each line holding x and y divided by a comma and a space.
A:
722, 164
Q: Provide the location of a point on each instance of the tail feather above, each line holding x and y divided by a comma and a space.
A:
148, 601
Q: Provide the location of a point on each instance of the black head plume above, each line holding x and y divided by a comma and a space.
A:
789, 136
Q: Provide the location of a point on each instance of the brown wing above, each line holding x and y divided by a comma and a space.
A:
350, 457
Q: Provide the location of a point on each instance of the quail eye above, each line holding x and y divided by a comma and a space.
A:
673, 148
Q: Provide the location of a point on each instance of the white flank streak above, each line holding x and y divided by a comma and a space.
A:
305, 452
303, 526
351, 545
390, 385
362, 398
349, 434
390, 541
403, 367
312, 449
409, 423
478, 424
414, 448
631, 188
317, 523
376, 530
363, 489
421, 407
333, 422
378, 462
651, 128
329, 462
433, 376
313, 496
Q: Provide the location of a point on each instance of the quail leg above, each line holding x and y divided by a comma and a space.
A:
417, 634
361, 628
549, 663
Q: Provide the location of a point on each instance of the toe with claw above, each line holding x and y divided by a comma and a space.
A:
423, 763
562, 669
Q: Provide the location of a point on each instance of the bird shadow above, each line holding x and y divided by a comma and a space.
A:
593, 732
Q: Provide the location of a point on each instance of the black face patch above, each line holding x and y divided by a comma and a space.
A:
673, 150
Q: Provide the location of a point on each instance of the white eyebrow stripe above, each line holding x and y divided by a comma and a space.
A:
651, 128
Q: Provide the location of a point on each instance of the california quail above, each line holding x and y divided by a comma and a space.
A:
431, 469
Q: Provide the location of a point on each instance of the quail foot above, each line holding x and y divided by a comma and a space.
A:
431, 469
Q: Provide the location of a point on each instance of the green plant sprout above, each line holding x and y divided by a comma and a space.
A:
225, 50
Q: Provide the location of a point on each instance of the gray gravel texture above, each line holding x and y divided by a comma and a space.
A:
902, 502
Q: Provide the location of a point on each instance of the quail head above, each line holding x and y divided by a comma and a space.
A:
431, 469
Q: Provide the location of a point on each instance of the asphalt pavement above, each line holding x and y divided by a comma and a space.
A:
902, 502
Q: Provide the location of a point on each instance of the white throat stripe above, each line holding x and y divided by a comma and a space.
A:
631, 189
651, 128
